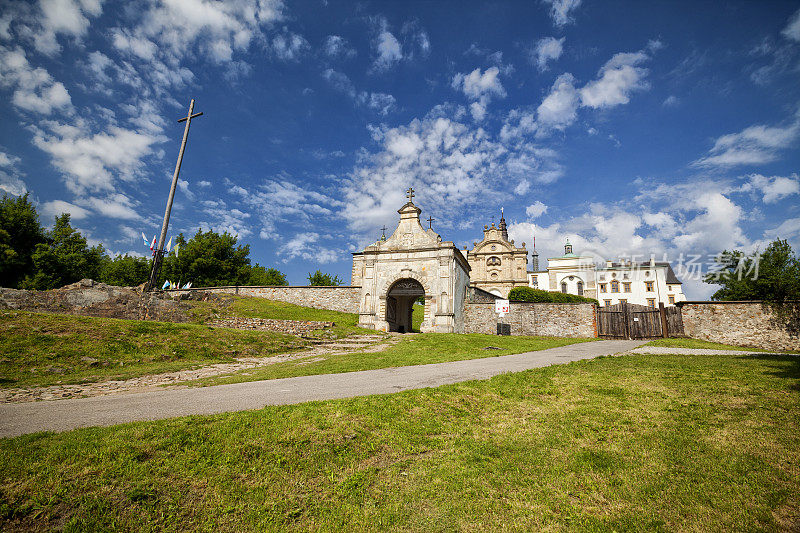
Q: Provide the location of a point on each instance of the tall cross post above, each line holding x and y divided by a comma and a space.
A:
159, 252
430, 222
383, 229
410, 194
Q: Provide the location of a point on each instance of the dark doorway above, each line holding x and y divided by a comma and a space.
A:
400, 304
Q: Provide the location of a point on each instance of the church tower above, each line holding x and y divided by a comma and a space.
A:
496, 264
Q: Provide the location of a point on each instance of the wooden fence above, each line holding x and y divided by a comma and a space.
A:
633, 321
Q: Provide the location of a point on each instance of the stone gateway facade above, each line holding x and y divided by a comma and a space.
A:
412, 263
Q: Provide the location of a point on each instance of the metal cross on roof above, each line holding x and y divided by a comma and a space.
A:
410, 193
383, 229
430, 222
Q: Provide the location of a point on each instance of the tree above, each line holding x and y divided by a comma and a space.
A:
20, 232
771, 276
64, 258
208, 259
125, 270
260, 275
318, 278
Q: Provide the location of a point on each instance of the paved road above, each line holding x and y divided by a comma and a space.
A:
63, 415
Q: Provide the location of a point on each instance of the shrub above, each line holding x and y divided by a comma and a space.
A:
528, 294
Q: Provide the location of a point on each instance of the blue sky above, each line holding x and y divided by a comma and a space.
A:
630, 127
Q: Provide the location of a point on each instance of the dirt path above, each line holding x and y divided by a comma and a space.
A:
355, 343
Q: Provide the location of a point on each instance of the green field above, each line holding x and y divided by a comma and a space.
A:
417, 349
699, 343
38, 349
631, 443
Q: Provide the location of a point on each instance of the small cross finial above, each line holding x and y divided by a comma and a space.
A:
430, 222
383, 229
410, 194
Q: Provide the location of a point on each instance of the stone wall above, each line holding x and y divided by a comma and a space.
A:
741, 323
525, 318
335, 298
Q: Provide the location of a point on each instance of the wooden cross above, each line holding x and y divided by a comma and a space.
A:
410, 193
430, 222
383, 229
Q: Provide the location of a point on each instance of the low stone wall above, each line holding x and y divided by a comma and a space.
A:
335, 298
525, 318
741, 323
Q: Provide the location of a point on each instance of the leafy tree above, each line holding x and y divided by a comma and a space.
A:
20, 232
208, 259
125, 270
260, 275
528, 294
318, 278
771, 276
64, 258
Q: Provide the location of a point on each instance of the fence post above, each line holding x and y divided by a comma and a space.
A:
627, 320
664, 326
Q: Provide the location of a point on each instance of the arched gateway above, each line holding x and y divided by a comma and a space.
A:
394, 272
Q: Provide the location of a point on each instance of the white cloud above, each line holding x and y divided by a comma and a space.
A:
303, 246
452, 166
671, 101
480, 87
547, 49
34, 88
753, 145
383, 103
115, 206
476, 84
139, 46
204, 183
561, 10
618, 78
224, 218
559, 108
792, 29
62, 17
773, 188
92, 162
522, 187
58, 207
10, 176
536, 209
289, 46
388, 49
336, 46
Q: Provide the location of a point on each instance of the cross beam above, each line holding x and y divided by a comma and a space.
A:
430, 222
410, 194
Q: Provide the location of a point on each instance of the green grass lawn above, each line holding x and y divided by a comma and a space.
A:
417, 349
632, 443
244, 306
39, 349
698, 343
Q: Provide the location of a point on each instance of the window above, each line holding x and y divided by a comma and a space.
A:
606, 302
672, 299
651, 302
626, 286
493, 261
648, 286
615, 286
534, 278
580, 288
564, 287
603, 287
623, 301
669, 288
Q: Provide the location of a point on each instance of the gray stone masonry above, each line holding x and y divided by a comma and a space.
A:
738, 323
334, 298
550, 319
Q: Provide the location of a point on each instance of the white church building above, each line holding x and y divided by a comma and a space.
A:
644, 283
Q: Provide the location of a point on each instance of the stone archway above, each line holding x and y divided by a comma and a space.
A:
400, 300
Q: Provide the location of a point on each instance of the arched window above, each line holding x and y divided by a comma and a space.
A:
493, 261
615, 286
580, 288
564, 287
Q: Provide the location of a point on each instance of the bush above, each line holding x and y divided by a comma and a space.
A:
527, 294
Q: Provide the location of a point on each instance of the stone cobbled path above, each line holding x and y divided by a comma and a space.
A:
317, 352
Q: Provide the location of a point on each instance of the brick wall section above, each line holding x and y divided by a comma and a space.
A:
339, 298
548, 319
742, 323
